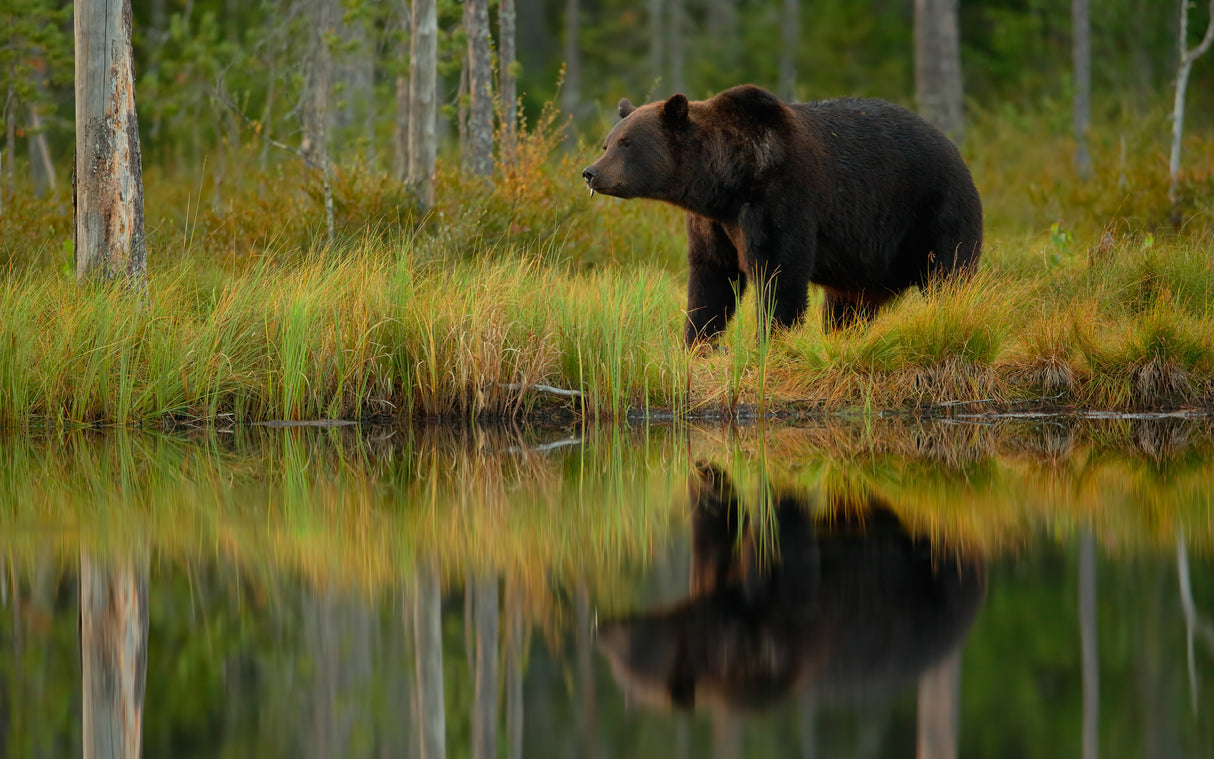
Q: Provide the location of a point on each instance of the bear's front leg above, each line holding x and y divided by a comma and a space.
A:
714, 282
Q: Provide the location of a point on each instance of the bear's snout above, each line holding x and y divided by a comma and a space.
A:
589, 175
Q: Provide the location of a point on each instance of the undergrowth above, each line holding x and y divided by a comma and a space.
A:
525, 296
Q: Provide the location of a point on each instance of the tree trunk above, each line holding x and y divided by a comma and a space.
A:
428, 642
1087, 644
584, 654
517, 641
400, 130
484, 716
657, 41
108, 187
41, 166
571, 91
790, 41
479, 149
113, 657
10, 135
1081, 58
423, 109
314, 113
1187, 57
938, 66
939, 707
507, 76
678, 19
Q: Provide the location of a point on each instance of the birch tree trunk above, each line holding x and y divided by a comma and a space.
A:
108, 187
677, 45
507, 78
790, 37
939, 708
516, 636
113, 657
42, 167
314, 113
1081, 59
1185, 66
423, 107
657, 41
479, 149
1087, 644
428, 644
400, 129
484, 709
571, 91
938, 66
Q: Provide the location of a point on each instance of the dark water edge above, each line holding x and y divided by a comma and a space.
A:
813, 590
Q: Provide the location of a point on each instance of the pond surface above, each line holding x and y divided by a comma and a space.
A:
992, 588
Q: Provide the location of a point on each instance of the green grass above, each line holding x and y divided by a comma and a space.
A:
1084, 298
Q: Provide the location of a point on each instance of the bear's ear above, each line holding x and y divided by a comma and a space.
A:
626, 107
674, 110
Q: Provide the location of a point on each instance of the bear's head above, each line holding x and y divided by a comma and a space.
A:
640, 155
693, 154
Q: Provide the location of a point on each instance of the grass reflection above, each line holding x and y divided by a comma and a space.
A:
359, 506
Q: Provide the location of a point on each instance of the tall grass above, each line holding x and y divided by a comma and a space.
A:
1084, 298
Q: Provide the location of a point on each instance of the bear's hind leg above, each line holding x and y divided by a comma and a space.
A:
841, 309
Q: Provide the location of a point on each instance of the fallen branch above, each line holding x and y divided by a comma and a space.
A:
560, 391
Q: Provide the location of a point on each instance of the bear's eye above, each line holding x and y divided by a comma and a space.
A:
625, 142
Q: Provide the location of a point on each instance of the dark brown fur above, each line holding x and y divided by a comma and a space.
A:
859, 196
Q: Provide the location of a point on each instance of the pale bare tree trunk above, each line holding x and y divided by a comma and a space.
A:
484, 716
1081, 60
428, 643
809, 726
113, 657
1187, 57
790, 39
938, 66
1195, 625
108, 186
314, 112
584, 656
1087, 644
10, 136
6, 155
479, 155
400, 131
657, 41
571, 90
678, 43
939, 704
517, 648
508, 82
423, 106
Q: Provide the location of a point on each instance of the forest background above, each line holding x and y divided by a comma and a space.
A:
225, 91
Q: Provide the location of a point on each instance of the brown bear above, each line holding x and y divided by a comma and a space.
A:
859, 196
844, 604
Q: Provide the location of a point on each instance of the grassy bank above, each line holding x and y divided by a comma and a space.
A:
507, 293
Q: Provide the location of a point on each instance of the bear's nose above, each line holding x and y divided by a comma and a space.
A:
589, 174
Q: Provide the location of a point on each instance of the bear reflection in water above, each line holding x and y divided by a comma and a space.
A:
845, 604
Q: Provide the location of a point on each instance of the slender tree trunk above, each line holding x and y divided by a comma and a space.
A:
1087, 645
484, 717
517, 648
938, 65
507, 76
585, 674
108, 187
678, 19
1185, 66
400, 130
1081, 59
939, 708
479, 155
6, 155
790, 39
315, 111
428, 643
10, 136
571, 91
657, 41
113, 657
41, 165
423, 108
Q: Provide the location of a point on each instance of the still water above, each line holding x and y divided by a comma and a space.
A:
986, 588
